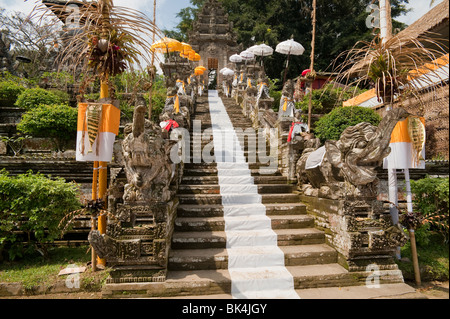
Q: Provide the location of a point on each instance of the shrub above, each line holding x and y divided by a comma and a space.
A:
431, 201
58, 122
331, 126
9, 92
276, 95
324, 100
33, 205
31, 98
63, 96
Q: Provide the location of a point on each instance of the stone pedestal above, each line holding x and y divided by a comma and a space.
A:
359, 230
139, 243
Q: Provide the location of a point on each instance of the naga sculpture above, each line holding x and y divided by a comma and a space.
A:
137, 241
147, 161
347, 167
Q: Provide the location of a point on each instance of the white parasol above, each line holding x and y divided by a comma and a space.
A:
247, 55
228, 72
261, 50
289, 47
236, 58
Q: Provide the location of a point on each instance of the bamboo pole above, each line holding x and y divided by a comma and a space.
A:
93, 224
313, 40
150, 104
102, 178
385, 20
415, 260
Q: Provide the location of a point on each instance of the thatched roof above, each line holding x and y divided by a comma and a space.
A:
435, 21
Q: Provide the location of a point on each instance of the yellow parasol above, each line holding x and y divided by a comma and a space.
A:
193, 56
199, 70
197, 57
166, 45
185, 48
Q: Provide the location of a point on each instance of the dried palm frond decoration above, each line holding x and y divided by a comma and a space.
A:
391, 66
105, 39
416, 131
92, 208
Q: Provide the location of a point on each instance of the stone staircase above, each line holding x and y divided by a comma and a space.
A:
198, 263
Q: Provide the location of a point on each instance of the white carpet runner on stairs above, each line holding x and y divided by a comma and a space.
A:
255, 262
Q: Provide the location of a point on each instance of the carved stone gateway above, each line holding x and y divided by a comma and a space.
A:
213, 37
137, 240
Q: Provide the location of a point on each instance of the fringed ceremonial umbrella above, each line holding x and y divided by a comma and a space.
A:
289, 47
247, 55
236, 58
261, 50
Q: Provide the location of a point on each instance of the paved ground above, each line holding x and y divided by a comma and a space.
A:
429, 290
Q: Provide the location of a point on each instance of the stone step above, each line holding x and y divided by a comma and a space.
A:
212, 179
217, 258
216, 284
218, 239
262, 171
215, 189
238, 198
213, 165
217, 223
206, 283
216, 210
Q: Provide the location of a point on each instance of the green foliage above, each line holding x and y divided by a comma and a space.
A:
15, 142
276, 95
33, 204
58, 80
158, 101
9, 92
331, 126
433, 259
431, 201
58, 122
326, 99
63, 96
31, 98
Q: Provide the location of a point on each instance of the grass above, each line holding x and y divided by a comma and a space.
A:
433, 260
33, 270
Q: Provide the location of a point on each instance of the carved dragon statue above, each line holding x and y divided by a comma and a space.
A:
147, 161
347, 167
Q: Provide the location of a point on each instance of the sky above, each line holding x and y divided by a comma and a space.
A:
166, 10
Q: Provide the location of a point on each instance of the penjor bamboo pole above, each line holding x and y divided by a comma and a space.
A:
313, 40
93, 223
150, 104
102, 178
104, 93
